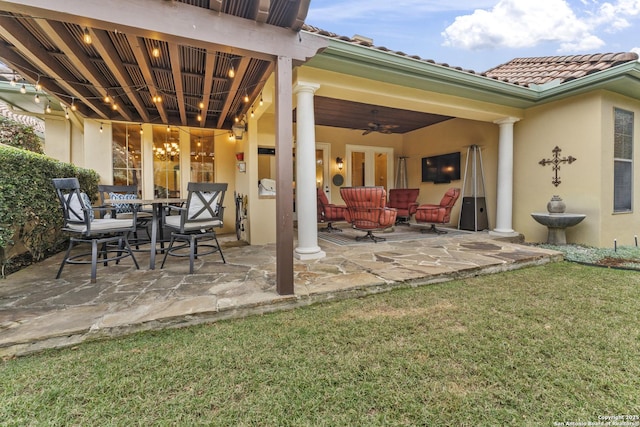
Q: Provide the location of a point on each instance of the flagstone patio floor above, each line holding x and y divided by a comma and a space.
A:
38, 311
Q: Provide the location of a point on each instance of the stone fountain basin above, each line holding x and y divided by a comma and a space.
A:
558, 220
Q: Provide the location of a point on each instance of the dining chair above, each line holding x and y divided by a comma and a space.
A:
122, 193
101, 233
197, 219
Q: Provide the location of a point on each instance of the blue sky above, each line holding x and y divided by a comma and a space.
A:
480, 34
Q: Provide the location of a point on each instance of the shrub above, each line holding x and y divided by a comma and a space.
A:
30, 217
19, 136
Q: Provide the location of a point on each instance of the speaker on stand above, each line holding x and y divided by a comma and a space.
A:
473, 214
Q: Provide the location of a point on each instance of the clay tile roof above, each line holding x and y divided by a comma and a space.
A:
518, 71
526, 71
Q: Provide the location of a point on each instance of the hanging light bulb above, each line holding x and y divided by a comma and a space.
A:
38, 85
155, 52
236, 119
141, 131
168, 128
107, 98
66, 113
86, 36
252, 115
37, 99
246, 97
73, 105
14, 80
100, 127
23, 89
199, 118
201, 105
261, 102
232, 72
48, 109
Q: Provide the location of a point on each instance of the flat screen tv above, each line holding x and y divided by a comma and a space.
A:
441, 169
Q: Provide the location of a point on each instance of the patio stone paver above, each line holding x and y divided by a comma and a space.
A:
37, 311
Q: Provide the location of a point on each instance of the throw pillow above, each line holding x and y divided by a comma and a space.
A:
122, 207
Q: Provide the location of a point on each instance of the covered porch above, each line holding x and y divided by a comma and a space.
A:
39, 312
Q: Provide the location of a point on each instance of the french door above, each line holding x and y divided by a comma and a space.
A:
369, 166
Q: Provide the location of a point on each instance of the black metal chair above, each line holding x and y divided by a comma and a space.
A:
203, 212
101, 233
121, 210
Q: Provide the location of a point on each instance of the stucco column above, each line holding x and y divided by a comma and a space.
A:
504, 208
306, 203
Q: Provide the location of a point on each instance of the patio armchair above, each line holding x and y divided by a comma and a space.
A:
438, 214
328, 213
100, 233
367, 211
124, 209
196, 221
404, 200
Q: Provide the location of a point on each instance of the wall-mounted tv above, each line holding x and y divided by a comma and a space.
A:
441, 169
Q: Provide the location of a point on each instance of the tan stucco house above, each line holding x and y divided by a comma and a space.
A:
162, 93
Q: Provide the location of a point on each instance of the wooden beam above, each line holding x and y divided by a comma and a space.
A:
263, 11
178, 23
25, 69
241, 70
215, 5
284, 178
207, 85
107, 51
303, 10
18, 36
139, 51
174, 59
59, 35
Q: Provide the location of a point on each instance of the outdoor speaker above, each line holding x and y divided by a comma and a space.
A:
472, 208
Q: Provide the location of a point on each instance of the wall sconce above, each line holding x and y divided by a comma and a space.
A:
339, 163
238, 130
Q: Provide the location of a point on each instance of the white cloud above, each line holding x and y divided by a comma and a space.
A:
520, 24
523, 24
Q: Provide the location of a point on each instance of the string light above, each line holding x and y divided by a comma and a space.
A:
201, 105
252, 115
114, 107
155, 52
141, 131
86, 36
14, 80
232, 72
246, 97
100, 127
66, 113
48, 109
261, 102
38, 85
23, 89
107, 98
37, 99
73, 104
199, 117
168, 128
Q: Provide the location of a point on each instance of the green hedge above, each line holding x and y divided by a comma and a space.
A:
30, 213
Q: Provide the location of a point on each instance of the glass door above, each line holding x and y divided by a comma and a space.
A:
369, 166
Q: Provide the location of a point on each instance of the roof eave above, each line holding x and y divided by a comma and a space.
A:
390, 67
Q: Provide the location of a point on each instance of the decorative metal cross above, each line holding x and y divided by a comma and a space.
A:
555, 161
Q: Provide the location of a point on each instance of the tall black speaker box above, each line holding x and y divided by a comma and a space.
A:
472, 208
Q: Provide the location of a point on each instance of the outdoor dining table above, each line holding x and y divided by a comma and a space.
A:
157, 220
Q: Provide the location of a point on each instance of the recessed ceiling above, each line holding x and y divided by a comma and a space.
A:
355, 115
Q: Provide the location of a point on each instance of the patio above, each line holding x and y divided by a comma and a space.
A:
39, 312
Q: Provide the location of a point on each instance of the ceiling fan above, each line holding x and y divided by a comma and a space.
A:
374, 126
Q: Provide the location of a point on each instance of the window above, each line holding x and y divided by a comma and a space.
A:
126, 155
166, 161
622, 160
202, 156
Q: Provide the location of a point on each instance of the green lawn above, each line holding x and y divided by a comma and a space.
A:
551, 344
